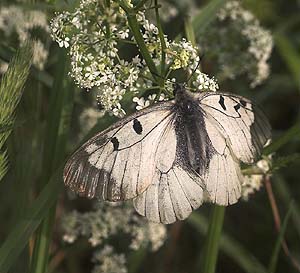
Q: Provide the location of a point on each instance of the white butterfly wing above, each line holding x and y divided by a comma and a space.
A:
119, 163
147, 157
237, 131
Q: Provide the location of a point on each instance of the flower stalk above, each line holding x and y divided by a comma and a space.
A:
135, 28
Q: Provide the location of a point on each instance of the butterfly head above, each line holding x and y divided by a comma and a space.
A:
184, 99
179, 89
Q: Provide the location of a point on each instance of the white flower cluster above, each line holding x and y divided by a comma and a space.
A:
254, 182
110, 220
107, 261
142, 103
239, 44
14, 19
202, 82
95, 33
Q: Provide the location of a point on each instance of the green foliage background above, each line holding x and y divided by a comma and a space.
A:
42, 138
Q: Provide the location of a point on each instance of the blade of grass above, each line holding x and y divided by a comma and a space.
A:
207, 15
290, 134
54, 151
211, 250
280, 238
284, 193
229, 246
289, 54
23, 230
189, 31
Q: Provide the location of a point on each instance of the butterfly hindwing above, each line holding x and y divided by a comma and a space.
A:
119, 163
172, 196
175, 190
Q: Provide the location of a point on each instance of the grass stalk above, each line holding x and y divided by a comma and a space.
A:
229, 246
279, 241
11, 89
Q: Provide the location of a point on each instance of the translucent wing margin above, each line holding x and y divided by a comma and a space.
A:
119, 163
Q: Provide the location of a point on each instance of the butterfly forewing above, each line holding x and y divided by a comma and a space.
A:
239, 121
119, 163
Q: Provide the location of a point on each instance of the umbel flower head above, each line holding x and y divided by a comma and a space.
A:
238, 44
95, 32
103, 225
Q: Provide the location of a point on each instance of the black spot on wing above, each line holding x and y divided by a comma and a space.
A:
221, 102
137, 126
237, 107
243, 103
115, 142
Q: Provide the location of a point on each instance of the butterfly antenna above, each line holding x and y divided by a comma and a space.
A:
198, 64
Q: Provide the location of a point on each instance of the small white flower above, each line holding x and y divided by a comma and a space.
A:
253, 183
141, 103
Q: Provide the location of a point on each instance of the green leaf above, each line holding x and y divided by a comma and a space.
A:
275, 254
229, 246
283, 161
207, 15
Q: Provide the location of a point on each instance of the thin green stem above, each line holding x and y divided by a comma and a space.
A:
210, 256
162, 39
135, 28
140, 5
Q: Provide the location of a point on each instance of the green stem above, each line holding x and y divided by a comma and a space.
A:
162, 39
210, 256
140, 5
135, 28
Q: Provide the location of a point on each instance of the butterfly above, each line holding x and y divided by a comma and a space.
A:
172, 156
